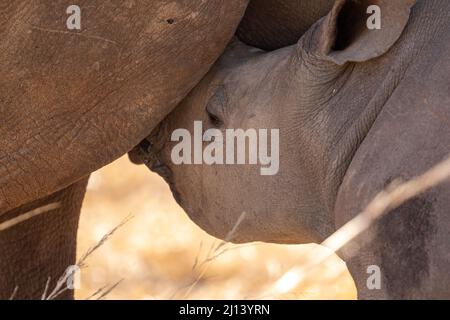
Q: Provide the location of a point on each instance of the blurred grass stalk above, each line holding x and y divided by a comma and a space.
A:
28, 215
215, 252
61, 284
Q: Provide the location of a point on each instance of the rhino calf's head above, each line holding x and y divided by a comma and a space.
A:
264, 132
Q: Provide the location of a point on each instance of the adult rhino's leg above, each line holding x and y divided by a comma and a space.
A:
42, 246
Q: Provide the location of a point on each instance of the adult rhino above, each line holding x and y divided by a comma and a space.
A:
356, 109
72, 101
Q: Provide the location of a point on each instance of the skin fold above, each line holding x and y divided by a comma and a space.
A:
356, 109
274, 24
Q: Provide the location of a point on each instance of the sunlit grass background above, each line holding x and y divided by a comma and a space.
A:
155, 252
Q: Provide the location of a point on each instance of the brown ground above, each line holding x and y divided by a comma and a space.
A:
154, 253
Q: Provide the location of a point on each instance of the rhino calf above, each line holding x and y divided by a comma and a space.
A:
355, 108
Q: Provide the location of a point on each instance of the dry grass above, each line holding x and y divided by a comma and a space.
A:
156, 251
28, 215
61, 284
282, 282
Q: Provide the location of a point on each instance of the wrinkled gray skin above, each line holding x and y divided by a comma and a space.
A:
356, 109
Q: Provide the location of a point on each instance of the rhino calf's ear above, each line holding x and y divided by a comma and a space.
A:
345, 34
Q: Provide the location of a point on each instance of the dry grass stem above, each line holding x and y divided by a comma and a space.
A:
105, 238
47, 285
28, 215
108, 290
13, 294
97, 292
61, 286
213, 253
